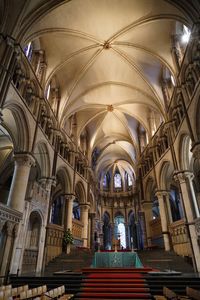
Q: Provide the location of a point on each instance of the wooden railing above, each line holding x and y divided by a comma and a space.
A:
180, 240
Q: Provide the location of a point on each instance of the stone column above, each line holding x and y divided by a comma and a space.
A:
8, 58
69, 199
84, 218
92, 229
46, 184
161, 195
23, 163
147, 207
7, 247
191, 211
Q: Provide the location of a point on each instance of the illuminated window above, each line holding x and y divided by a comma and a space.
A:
105, 181
186, 34
28, 49
172, 80
48, 91
130, 182
117, 180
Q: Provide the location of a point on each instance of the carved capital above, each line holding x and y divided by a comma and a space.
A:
84, 207
48, 182
182, 176
69, 197
161, 193
24, 159
196, 150
9, 228
2, 223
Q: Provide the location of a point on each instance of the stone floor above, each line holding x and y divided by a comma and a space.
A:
157, 259
165, 260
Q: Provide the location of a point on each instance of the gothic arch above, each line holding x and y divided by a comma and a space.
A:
42, 156
15, 121
165, 175
80, 192
185, 155
149, 188
64, 179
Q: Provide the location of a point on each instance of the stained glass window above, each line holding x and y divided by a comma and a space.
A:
117, 181
28, 50
105, 181
130, 182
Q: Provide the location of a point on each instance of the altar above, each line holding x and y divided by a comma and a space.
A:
116, 260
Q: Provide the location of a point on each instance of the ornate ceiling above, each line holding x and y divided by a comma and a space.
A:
108, 58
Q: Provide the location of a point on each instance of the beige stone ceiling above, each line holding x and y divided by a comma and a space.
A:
108, 58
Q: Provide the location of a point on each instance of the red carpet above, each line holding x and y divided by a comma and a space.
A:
114, 283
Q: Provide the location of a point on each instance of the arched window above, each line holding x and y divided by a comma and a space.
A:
28, 50
117, 181
130, 181
186, 34
105, 182
76, 210
48, 91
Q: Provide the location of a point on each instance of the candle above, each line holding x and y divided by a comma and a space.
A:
131, 239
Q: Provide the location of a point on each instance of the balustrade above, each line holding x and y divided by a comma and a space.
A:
179, 237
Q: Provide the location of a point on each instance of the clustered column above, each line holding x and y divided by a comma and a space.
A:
84, 219
191, 210
162, 200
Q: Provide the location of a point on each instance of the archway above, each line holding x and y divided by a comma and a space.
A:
120, 230
107, 239
132, 231
31, 250
6, 164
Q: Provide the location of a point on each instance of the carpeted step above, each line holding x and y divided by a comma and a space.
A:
113, 295
114, 284
115, 275
115, 289
116, 280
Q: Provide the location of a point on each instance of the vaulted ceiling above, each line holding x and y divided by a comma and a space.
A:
108, 58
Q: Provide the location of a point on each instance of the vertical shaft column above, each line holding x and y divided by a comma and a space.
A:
161, 195
84, 218
23, 163
69, 199
191, 210
147, 207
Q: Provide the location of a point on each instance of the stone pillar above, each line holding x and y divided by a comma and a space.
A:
7, 247
169, 212
147, 207
23, 163
161, 195
69, 199
92, 229
84, 218
191, 211
8, 58
46, 184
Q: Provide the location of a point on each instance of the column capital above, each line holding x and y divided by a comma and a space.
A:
146, 204
196, 150
161, 193
9, 228
24, 159
48, 182
182, 176
84, 206
69, 197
